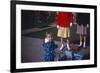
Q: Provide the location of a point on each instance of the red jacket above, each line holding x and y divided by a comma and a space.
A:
63, 19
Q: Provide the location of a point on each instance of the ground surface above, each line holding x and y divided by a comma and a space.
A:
32, 39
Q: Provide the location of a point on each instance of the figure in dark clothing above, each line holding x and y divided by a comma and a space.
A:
49, 47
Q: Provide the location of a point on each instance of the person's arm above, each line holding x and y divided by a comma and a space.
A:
74, 18
71, 24
56, 19
71, 19
45, 42
54, 45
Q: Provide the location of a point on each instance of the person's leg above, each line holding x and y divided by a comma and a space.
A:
67, 39
68, 46
61, 35
46, 58
81, 39
52, 57
62, 43
84, 41
84, 37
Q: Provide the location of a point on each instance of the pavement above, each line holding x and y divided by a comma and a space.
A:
32, 49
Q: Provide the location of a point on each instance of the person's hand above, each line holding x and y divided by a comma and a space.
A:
57, 26
70, 24
46, 40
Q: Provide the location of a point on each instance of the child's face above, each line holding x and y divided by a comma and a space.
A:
49, 37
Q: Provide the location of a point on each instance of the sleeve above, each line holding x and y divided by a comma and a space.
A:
55, 45
46, 45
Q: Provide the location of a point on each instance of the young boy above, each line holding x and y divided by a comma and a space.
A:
49, 47
63, 21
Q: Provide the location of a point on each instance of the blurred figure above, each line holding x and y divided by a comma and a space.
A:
64, 22
49, 47
83, 21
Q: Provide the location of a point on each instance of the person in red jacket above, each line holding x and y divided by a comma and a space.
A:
63, 21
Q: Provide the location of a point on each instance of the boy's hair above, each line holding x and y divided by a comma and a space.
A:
48, 33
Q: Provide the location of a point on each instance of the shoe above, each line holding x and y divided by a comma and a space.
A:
80, 47
68, 49
84, 47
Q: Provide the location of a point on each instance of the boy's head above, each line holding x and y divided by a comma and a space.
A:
48, 35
